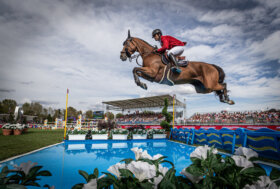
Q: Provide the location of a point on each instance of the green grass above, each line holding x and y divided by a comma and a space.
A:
34, 139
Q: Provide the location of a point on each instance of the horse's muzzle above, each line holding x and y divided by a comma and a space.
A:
123, 57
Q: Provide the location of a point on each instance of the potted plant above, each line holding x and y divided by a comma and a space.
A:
158, 133
99, 134
139, 134
7, 130
25, 128
119, 134
77, 135
17, 129
165, 124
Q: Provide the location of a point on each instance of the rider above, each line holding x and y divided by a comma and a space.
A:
173, 45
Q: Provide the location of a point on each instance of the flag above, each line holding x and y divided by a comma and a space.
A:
67, 91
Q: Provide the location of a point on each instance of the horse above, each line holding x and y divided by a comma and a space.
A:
205, 77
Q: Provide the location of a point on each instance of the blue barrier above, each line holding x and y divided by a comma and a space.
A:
264, 141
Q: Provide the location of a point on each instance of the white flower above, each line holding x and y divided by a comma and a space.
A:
241, 161
25, 167
92, 184
114, 169
145, 155
137, 151
142, 170
263, 183
162, 169
201, 152
194, 179
155, 157
247, 152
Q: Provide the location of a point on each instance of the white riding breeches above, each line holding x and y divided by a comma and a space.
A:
176, 51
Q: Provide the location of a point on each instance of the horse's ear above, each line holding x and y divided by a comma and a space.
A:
128, 36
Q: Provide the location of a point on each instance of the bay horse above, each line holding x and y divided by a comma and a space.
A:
206, 78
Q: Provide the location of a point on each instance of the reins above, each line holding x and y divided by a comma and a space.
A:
140, 54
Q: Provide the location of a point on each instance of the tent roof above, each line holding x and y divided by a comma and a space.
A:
146, 102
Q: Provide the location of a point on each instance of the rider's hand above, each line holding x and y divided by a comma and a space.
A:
155, 51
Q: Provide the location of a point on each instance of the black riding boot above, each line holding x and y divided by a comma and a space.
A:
173, 59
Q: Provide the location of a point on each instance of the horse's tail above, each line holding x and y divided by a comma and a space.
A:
222, 74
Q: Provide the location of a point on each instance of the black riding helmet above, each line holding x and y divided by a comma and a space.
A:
156, 31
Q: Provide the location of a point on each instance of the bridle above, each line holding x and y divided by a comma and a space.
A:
127, 43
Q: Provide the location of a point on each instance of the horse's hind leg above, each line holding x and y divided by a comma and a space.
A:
225, 91
221, 91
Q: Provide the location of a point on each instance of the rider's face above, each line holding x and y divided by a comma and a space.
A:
156, 37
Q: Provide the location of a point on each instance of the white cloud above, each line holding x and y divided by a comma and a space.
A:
268, 48
57, 45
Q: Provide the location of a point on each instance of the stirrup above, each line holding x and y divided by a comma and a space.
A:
176, 70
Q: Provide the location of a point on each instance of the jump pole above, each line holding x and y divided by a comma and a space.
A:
66, 114
174, 96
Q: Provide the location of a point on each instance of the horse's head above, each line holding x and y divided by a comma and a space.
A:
129, 47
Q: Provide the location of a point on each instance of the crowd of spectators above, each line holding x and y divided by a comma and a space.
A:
254, 117
140, 118
224, 117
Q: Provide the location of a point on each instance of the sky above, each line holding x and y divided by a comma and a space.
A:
49, 46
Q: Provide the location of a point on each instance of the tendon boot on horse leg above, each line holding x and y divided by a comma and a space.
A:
221, 96
225, 91
175, 69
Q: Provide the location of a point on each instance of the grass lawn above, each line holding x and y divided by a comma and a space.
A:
34, 139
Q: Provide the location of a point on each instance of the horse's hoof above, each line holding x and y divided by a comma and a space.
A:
231, 102
144, 86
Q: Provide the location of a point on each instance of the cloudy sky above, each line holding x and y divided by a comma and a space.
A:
49, 46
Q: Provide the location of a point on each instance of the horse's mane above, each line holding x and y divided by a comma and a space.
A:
144, 41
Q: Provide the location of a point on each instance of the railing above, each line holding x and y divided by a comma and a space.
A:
264, 141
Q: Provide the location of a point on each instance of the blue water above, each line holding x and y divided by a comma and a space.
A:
64, 160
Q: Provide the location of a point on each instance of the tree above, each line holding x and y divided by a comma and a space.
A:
27, 110
49, 118
165, 124
57, 114
89, 114
37, 108
80, 112
1, 108
109, 115
71, 112
8, 106
11, 118
119, 115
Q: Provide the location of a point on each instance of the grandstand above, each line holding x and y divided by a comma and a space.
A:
146, 117
142, 103
246, 119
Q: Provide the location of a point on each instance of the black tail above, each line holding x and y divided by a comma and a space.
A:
222, 74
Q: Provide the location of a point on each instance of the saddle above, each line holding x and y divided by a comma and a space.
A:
181, 60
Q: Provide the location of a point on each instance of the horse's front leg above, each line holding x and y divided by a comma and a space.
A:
136, 73
144, 72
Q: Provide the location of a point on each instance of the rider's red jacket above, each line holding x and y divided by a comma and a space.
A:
168, 42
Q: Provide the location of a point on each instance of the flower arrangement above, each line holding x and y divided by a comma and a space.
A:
99, 132
139, 131
120, 131
158, 131
6, 126
77, 132
15, 129
144, 172
208, 170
